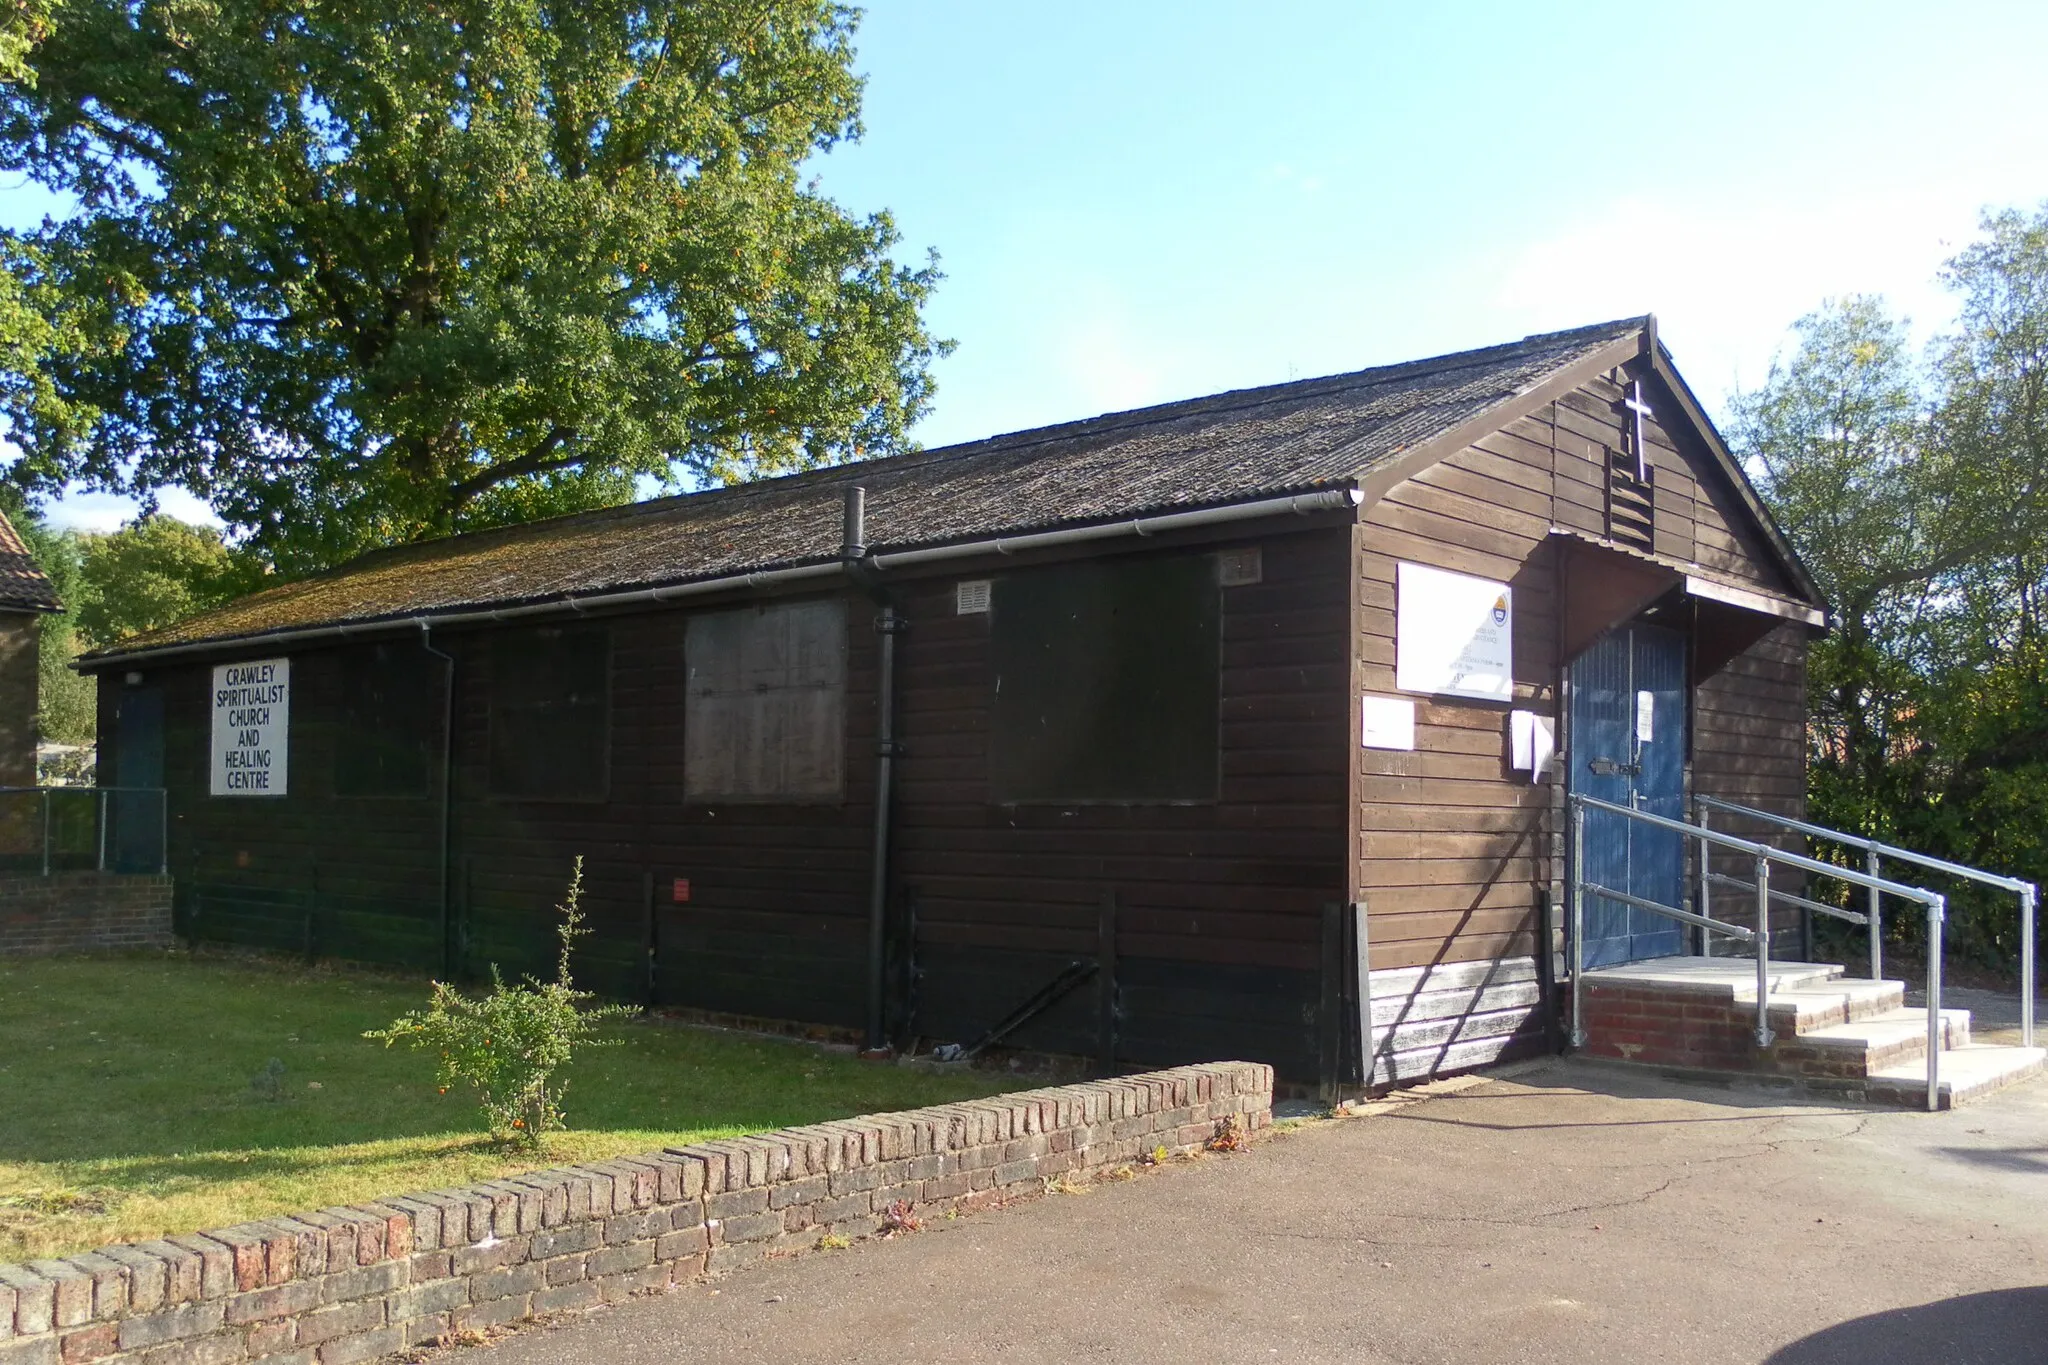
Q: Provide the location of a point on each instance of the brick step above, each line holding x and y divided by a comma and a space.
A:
1969, 1072
1896, 1037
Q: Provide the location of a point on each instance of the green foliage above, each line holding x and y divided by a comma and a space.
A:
1918, 494
359, 274
508, 1045
155, 572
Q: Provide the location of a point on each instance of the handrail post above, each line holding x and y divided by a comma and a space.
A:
1876, 920
1936, 912
2027, 908
1701, 813
1578, 925
46, 831
103, 829
1763, 952
163, 831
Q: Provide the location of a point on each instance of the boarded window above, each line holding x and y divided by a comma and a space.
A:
551, 714
1106, 682
766, 706
390, 718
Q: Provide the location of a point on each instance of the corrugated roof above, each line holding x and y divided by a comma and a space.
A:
23, 586
1206, 452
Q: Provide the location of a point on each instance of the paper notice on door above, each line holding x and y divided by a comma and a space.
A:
1646, 717
1532, 743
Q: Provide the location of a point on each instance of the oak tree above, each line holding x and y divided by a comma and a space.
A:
357, 273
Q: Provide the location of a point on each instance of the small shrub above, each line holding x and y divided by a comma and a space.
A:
509, 1045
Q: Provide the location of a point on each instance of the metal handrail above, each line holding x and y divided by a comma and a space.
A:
1763, 855
102, 793
1875, 851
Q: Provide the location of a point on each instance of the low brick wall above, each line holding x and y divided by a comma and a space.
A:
69, 912
351, 1284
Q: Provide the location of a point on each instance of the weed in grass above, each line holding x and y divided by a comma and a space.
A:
269, 1082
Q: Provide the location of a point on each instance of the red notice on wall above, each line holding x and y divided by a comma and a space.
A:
681, 893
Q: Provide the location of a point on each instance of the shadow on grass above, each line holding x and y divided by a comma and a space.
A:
2004, 1327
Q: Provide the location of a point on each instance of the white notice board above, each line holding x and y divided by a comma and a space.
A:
252, 727
1453, 634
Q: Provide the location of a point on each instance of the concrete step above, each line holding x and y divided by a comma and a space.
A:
1895, 1037
1714, 978
1806, 1006
1967, 1073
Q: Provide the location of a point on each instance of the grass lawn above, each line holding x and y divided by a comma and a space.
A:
127, 1109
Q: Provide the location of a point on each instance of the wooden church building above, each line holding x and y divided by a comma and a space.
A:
1134, 734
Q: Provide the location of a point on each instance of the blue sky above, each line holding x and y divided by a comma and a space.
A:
1137, 202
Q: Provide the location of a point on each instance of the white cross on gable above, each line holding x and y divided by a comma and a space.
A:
1638, 410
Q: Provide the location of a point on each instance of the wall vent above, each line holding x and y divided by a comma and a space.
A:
1240, 568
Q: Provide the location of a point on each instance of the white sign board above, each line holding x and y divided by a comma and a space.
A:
1453, 634
1389, 723
251, 727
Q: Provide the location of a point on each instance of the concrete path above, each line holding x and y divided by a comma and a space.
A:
1571, 1214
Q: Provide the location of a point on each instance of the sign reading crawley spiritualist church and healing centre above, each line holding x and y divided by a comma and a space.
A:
251, 727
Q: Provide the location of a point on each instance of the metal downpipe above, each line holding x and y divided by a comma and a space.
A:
885, 775
860, 567
447, 791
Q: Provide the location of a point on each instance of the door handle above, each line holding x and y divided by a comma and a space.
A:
1607, 767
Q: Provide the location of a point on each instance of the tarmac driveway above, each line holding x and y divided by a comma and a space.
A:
1572, 1213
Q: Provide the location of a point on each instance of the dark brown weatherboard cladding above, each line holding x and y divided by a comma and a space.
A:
1213, 907
1455, 851
1218, 903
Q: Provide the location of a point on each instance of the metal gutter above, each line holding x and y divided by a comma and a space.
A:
1301, 504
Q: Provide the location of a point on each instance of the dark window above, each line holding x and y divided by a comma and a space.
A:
1106, 682
390, 716
551, 714
765, 716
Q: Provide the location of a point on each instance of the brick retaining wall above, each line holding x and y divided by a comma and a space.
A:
69, 912
352, 1284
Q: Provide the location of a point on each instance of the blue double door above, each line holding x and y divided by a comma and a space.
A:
1627, 746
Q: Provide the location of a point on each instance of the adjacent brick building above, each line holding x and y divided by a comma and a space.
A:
25, 598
